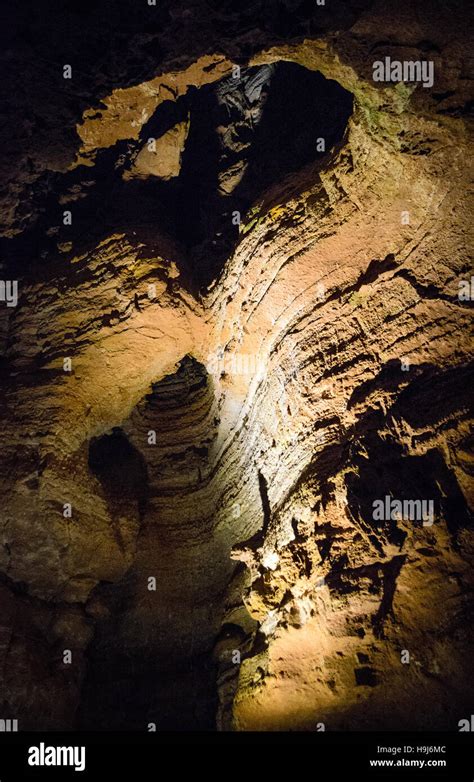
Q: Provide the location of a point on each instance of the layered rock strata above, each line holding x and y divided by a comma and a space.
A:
236, 347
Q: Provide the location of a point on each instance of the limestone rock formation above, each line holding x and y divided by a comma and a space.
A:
228, 345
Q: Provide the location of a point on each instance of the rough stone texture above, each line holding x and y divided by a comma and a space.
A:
269, 369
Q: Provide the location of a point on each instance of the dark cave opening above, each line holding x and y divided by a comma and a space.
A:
246, 135
116, 463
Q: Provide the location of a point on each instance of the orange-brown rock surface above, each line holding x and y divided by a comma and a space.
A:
201, 408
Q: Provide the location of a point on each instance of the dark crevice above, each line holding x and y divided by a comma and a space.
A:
267, 513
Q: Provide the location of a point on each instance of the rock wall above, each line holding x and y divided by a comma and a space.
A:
235, 345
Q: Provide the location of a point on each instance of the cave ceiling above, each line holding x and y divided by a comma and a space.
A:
239, 324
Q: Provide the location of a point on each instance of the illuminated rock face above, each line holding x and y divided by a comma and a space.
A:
237, 459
